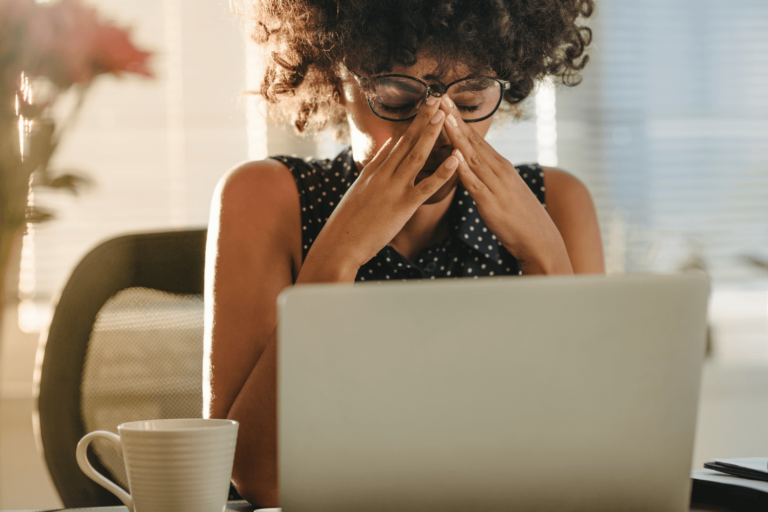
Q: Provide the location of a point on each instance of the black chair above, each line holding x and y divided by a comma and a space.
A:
125, 344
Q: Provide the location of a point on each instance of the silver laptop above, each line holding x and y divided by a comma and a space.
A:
535, 393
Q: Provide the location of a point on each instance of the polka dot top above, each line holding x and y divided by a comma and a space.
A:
470, 250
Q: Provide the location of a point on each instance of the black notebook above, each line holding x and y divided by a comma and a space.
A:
755, 468
712, 488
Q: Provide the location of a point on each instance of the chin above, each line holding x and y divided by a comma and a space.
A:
444, 191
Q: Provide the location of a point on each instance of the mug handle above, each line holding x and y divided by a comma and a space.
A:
85, 465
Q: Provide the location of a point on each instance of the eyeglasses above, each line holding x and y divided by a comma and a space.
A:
398, 97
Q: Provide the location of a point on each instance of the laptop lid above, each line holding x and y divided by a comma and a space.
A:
533, 393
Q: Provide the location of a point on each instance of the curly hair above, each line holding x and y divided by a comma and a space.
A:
522, 41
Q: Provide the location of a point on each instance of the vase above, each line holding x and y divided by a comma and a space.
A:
16, 166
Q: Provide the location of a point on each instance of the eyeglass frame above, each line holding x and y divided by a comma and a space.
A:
362, 82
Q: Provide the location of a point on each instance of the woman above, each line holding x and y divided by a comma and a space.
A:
419, 194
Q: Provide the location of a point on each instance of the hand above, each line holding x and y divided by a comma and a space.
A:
504, 201
382, 199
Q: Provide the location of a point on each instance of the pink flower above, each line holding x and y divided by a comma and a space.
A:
13, 11
114, 53
69, 44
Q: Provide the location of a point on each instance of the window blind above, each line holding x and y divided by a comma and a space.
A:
670, 132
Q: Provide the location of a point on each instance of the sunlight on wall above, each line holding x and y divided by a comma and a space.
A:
546, 123
174, 90
256, 112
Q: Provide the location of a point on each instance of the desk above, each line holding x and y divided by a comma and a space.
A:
244, 506
232, 506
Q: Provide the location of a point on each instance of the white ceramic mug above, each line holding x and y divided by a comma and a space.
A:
172, 465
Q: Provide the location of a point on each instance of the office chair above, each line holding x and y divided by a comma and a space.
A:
125, 344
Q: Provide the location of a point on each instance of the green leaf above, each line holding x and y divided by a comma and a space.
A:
71, 182
37, 214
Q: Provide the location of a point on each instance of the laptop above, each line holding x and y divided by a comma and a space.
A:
565, 394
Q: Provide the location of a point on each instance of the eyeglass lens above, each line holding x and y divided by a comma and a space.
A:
399, 98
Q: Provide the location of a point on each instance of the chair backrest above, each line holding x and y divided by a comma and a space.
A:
125, 344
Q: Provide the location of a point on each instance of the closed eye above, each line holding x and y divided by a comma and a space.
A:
467, 108
396, 109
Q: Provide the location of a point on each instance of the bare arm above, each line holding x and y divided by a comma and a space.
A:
571, 209
253, 253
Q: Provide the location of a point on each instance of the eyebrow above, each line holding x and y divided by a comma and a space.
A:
435, 78
470, 86
407, 86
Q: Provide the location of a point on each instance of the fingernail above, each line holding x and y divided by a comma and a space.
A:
451, 163
452, 120
459, 155
437, 117
448, 101
431, 100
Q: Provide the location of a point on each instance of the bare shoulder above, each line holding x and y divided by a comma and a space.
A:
564, 189
571, 208
257, 182
258, 202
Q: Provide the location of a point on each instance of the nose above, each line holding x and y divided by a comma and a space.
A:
442, 139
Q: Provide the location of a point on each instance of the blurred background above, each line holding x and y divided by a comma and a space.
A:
669, 130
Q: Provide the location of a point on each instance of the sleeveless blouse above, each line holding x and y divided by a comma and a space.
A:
469, 250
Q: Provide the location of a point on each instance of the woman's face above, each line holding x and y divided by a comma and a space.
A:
369, 132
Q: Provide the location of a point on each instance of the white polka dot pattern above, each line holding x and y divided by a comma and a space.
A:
471, 249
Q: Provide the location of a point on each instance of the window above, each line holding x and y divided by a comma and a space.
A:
669, 130
155, 149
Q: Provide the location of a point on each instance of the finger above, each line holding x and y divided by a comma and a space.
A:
413, 133
469, 179
464, 142
384, 151
483, 147
416, 158
428, 186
